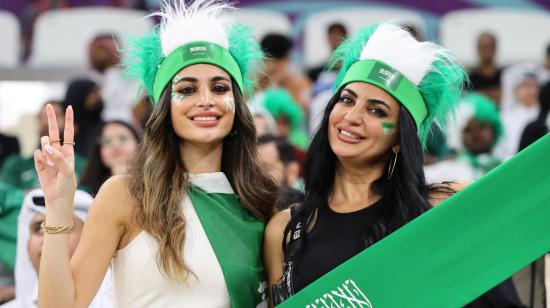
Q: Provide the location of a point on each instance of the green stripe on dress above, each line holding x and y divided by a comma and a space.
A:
236, 238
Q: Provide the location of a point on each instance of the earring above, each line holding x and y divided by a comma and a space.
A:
391, 166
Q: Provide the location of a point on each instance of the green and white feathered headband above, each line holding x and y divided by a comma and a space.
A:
422, 76
201, 32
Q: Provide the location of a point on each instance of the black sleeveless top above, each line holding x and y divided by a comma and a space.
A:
334, 238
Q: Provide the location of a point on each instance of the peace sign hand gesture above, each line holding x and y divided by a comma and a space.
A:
54, 162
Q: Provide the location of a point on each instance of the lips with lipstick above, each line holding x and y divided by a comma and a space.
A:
206, 119
348, 136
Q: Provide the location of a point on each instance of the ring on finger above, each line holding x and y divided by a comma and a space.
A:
54, 141
69, 142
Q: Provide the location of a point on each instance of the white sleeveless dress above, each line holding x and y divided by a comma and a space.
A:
138, 282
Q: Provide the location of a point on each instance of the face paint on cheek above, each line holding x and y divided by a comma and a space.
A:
175, 95
388, 127
229, 103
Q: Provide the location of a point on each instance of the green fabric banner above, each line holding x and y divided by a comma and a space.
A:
236, 237
455, 252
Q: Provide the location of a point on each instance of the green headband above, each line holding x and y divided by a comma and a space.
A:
194, 53
392, 81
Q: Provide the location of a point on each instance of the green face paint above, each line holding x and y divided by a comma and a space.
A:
388, 127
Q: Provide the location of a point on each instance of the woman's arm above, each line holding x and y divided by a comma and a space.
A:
63, 283
73, 281
273, 249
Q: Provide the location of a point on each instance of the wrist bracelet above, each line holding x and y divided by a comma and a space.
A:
56, 229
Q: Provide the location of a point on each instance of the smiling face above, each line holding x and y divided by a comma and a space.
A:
117, 145
203, 106
362, 126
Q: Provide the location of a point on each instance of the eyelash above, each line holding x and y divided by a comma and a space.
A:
217, 88
346, 101
378, 112
373, 110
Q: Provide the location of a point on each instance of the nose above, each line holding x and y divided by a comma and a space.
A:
206, 98
354, 116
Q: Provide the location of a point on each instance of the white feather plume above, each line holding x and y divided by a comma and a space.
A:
398, 49
201, 20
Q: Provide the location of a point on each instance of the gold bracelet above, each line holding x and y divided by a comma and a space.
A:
56, 229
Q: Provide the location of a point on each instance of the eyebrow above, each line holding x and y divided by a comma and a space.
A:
371, 100
378, 102
195, 80
351, 92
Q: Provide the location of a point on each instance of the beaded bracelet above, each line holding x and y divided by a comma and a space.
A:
56, 229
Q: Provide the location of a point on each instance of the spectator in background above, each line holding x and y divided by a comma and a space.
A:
83, 95
288, 115
530, 281
11, 199
263, 120
336, 33
8, 146
480, 128
279, 71
19, 171
29, 248
324, 78
30, 13
117, 93
142, 111
279, 159
524, 109
114, 147
413, 30
485, 77
540, 127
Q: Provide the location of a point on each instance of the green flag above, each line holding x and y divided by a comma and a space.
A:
455, 252
236, 238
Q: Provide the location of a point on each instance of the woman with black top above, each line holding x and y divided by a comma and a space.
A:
363, 170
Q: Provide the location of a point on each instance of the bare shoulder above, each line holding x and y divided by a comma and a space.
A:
114, 199
444, 191
277, 224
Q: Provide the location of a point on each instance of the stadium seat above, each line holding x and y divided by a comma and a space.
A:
10, 38
521, 34
316, 48
264, 21
61, 37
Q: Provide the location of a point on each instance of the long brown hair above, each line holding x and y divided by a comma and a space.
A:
159, 181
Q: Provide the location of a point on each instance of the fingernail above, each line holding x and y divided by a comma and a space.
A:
49, 162
48, 148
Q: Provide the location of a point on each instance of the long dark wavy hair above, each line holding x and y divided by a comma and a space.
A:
405, 195
159, 180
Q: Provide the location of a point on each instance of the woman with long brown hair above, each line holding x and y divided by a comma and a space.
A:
184, 228
115, 146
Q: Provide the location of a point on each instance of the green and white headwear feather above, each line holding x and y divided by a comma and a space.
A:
422, 76
199, 32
